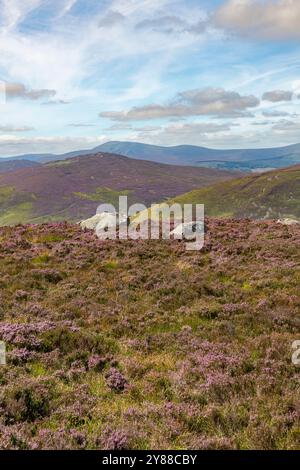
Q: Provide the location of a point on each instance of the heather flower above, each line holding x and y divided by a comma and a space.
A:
75, 373
97, 362
47, 439
20, 356
114, 440
78, 437
115, 380
14, 437
24, 334
213, 443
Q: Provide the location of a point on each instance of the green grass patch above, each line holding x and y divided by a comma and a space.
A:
6, 193
41, 259
17, 214
105, 195
59, 163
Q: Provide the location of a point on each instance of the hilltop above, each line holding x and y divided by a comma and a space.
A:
72, 189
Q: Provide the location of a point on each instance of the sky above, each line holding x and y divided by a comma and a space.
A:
215, 73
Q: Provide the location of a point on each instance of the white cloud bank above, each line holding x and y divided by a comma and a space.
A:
276, 96
209, 101
11, 145
18, 90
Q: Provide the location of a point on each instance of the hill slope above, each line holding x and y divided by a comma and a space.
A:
243, 159
12, 165
269, 195
72, 189
143, 345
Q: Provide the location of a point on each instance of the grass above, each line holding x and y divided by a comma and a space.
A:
59, 163
16, 214
105, 195
6, 193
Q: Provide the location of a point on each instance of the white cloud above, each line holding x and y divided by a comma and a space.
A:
186, 130
275, 113
112, 18
209, 101
11, 128
55, 102
13, 12
284, 125
121, 55
11, 145
269, 19
276, 96
71, 48
171, 24
80, 124
18, 90
66, 7
195, 133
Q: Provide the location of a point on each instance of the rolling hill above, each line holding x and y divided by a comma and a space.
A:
12, 165
270, 195
72, 189
230, 159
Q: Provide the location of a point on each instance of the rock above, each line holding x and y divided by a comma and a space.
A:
103, 220
92, 222
288, 221
188, 230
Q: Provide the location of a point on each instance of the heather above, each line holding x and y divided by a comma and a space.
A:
144, 345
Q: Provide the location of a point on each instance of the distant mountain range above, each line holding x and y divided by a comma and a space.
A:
244, 160
187, 155
71, 189
271, 195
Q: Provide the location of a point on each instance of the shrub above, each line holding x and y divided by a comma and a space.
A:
28, 402
115, 380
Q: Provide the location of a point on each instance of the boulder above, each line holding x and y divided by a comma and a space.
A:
288, 221
103, 220
92, 222
188, 230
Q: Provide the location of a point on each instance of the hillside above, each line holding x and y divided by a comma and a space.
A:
230, 159
269, 195
143, 345
12, 165
72, 189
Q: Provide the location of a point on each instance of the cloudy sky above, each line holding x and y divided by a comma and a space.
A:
217, 73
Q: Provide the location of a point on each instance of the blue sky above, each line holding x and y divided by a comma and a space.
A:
217, 73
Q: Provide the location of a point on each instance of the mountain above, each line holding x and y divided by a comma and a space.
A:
72, 189
230, 159
245, 160
12, 165
270, 195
